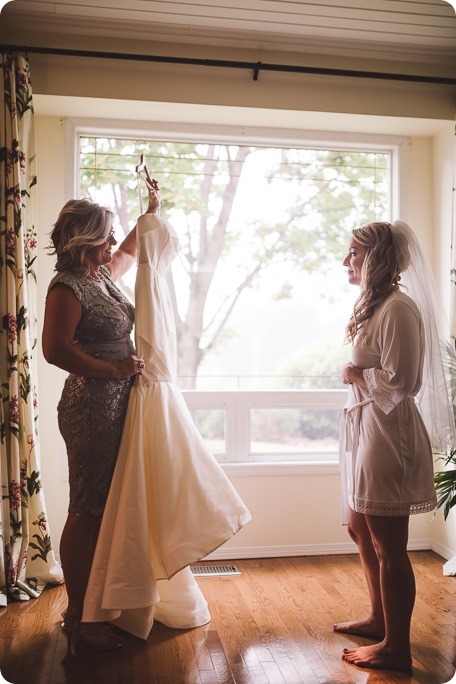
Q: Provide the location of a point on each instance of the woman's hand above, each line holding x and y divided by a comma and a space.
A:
353, 375
124, 257
154, 197
128, 366
345, 374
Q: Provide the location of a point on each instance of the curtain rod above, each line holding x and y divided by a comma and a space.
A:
255, 67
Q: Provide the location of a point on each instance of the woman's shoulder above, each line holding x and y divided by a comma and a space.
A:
73, 280
400, 298
64, 278
399, 304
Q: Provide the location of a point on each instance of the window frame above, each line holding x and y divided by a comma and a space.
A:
237, 404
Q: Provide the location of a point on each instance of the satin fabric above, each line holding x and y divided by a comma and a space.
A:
385, 453
170, 503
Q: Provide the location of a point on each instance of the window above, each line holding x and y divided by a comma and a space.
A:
259, 291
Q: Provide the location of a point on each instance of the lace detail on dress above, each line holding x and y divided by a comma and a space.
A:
394, 509
380, 397
104, 318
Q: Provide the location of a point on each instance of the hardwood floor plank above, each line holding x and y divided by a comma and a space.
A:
239, 670
218, 658
272, 672
200, 639
250, 657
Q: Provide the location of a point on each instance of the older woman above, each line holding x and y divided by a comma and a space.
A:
386, 456
87, 328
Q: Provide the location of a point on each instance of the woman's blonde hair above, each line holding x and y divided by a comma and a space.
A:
81, 225
380, 273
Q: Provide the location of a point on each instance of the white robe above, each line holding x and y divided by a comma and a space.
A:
385, 453
170, 503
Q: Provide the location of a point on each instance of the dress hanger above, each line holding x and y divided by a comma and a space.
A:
150, 182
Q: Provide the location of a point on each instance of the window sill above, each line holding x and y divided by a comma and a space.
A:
283, 468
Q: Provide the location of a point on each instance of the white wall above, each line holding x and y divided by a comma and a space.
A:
292, 514
50, 174
444, 218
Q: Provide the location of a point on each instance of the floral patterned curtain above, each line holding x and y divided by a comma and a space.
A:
27, 560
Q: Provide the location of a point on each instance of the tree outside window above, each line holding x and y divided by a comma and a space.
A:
259, 291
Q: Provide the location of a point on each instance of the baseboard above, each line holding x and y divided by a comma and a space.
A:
419, 545
231, 553
442, 550
281, 551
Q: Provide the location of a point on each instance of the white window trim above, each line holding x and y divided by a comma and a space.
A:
237, 428
279, 468
240, 135
237, 405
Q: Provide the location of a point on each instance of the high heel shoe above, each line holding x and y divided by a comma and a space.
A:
97, 635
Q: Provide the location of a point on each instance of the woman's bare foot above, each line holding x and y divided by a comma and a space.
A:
369, 628
379, 657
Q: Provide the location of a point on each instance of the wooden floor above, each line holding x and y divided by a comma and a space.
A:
270, 625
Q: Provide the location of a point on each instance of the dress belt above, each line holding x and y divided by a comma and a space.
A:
348, 446
352, 420
110, 349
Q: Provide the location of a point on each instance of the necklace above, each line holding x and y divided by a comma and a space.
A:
96, 278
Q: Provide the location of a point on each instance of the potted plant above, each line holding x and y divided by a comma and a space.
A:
445, 480
445, 487
445, 484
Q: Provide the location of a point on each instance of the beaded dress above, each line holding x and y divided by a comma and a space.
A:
91, 411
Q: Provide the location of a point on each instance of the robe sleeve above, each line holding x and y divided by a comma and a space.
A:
400, 341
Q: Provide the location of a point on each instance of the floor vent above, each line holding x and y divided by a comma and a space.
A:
218, 570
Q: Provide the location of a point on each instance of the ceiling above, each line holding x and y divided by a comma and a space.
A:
389, 29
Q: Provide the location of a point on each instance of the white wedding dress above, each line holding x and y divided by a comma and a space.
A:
170, 503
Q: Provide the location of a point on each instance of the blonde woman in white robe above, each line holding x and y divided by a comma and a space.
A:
386, 453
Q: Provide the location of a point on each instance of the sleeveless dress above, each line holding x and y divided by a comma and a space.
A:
385, 452
170, 502
91, 411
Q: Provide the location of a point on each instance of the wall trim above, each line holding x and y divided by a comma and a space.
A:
70, 148
244, 552
280, 468
442, 550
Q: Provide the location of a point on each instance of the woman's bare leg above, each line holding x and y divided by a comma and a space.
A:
397, 583
372, 626
77, 547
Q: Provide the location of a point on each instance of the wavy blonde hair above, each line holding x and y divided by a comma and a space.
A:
81, 225
380, 273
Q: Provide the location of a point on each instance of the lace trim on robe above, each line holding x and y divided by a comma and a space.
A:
394, 509
380, 397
